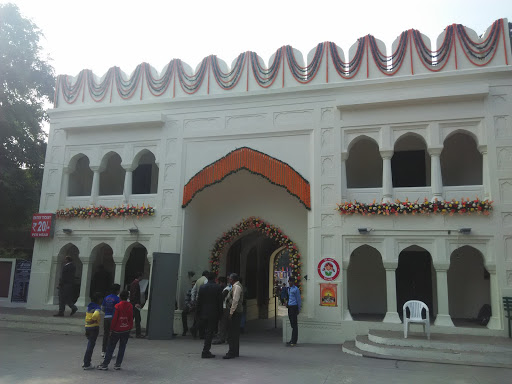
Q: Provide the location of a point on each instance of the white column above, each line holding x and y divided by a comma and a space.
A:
495, 321
485, 172
443, 317
85, 285
436, 177
128, 177
387, 177
95, 190
119, 273
65, 183
54, 278
391, 312
346, 312
344, 191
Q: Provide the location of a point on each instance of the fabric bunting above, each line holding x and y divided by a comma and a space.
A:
478, 53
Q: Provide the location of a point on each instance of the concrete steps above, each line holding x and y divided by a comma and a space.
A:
442, 348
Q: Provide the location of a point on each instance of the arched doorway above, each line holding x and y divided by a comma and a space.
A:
469, 287
366, 285
102, 269
136, 257
68, 250
415, 278
250, 256
249, 249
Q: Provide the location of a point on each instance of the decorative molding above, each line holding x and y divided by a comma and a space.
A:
245, 121
295, 118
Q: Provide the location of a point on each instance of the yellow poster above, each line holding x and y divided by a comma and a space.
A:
328, 295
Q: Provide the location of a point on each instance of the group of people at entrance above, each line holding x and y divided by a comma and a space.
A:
218, 306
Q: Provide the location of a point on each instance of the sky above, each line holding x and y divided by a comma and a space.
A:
97, 35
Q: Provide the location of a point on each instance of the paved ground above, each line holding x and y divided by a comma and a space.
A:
33, 358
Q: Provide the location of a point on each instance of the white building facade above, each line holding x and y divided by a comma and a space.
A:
210, 150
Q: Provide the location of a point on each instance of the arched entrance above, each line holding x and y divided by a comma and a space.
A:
102, 269
249, 249
414, 278
469, 287
136, 257
366, 285
68, 250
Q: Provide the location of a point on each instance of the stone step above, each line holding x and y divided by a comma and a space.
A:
43, 327
350, 348
493, 359
452, 342
76, 319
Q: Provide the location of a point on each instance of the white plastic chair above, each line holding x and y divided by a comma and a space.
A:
415, 309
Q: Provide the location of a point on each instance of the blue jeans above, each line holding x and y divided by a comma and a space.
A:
122, 337
92, 335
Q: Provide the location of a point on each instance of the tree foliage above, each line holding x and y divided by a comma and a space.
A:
26, 84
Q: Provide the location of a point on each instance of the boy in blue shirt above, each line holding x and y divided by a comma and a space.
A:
294, 305
108, 307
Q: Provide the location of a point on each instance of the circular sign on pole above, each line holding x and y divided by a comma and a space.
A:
328, 269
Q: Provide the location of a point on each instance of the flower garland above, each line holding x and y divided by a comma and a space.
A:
464, 206
105, 212
268, 230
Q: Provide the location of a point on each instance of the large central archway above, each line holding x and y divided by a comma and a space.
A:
249, 249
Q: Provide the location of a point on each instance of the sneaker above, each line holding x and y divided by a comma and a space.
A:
117, 367
140, 336
87, 367
102, 367
102, 354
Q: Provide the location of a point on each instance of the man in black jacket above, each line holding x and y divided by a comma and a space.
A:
209, 310
67, 278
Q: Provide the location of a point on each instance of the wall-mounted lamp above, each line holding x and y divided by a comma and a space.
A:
67, 230
364, 231
191, 274
465, 231
134, 230
305, 277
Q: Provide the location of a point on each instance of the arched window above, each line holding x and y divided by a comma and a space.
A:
410, 164
461, 162
145, 176
80, 178
112, 177
364, 165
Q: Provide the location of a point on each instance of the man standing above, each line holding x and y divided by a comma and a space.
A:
135, 301
201, 281
235, 299
209, 311
67, 278
189, 307
294, 305
223, 325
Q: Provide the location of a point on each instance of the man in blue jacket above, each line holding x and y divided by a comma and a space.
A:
294, 305
108, 306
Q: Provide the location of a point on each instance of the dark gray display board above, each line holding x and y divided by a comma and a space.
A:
162, 296
21, 280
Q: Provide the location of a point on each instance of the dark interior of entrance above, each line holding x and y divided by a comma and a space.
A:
249, 256
414, 279
136, 263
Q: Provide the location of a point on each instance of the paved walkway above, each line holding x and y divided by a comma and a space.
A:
34, 358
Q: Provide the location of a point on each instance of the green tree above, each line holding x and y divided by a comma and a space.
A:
26, 84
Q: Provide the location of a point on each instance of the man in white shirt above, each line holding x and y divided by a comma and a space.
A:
234, 302
195, 291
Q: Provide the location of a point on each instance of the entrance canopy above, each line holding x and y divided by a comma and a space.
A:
274, 170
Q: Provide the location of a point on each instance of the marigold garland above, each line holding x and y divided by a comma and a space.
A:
268, 230
464, 206
105, 212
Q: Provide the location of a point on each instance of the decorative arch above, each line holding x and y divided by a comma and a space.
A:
270, 168
354, 140
269, 230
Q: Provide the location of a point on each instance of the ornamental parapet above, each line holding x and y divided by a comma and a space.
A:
458, 49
